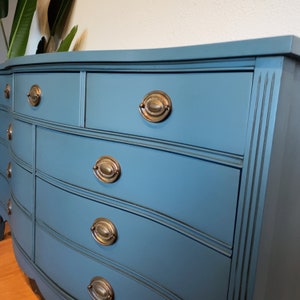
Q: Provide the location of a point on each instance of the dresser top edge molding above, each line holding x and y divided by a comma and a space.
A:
287, 45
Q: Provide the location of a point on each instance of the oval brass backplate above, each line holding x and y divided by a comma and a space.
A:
9, 207
107, 169
8, 170
156, 106
104, 231
9, 132
7, 91
34, 95
100, 289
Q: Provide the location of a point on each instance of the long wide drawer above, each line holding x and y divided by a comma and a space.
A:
159, 260
204, 196
209, 110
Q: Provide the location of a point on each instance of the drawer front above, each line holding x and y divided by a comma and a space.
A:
22, 186
21, 225
204, 196
4, 123
4, 196
209, 110
60, 94
50, 253
4, 159
5, 90
22, 141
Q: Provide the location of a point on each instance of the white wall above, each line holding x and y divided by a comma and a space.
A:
117, 24
120, 24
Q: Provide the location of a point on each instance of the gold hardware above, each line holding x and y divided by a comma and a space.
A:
9, 207
34, 95
156, 106
107, 169
100, 289
8, 170
104, 231
9, 132
7, 91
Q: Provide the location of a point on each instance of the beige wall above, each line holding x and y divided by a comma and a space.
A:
120, 24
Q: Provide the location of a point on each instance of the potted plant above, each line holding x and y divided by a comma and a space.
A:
52, 14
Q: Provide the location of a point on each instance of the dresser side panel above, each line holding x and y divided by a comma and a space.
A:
278, 272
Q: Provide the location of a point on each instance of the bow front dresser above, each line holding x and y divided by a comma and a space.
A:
155, 174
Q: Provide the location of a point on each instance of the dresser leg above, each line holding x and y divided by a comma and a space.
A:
2, 228
35, 288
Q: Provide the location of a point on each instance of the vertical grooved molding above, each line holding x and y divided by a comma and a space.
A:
34, 127
265, 95
82, 96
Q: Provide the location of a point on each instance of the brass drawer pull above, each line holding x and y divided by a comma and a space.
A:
8, 170
9, 207
34, 95
7, 91
107, 169
9, 132
156, 106
100, 289
104, 231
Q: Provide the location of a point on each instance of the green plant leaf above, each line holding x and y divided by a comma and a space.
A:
21, 27
58, 17
3, 8
3, 14
66, 42
58, 12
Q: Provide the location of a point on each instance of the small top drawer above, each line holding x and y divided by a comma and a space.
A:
5, 90
209, 110
59, 96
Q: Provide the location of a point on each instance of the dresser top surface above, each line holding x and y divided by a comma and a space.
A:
288, 45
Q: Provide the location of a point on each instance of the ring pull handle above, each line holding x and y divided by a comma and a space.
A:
107, 169
100, 289
104, 231
34, 95
9, 132
9, 207
7, 91
8, 170
156, 106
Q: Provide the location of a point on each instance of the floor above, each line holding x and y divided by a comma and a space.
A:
13, 283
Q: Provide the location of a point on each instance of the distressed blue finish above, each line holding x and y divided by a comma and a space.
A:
206, 205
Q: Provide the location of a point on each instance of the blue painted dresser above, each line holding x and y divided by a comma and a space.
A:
155, 174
